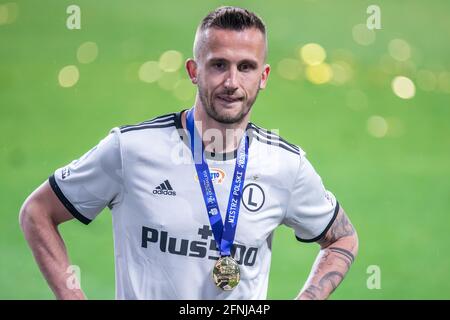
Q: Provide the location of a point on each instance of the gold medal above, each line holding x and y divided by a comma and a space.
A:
226, 273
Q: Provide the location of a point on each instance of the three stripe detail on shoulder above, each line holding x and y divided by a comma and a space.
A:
158, 122
270, 138
261, 134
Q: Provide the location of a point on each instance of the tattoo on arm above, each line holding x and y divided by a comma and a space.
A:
344, 255
334, 260
341, 228
332, 279
312, 292
325, 279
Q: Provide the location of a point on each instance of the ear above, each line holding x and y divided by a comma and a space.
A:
264, 77
191, 68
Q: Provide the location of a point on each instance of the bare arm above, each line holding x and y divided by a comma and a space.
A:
338, 251
39, 218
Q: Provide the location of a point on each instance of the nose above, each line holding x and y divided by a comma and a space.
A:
231, 82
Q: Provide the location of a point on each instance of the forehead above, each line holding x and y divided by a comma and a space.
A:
234, 45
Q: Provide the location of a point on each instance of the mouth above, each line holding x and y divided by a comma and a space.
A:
227, 99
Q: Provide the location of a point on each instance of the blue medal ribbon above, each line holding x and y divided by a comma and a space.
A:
223, 232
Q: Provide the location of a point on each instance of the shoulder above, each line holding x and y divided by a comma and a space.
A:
271, 138
157, 131
275, 156
160, 122
155, 136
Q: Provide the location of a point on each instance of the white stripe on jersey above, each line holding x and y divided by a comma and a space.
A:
158, 122
276, 142
267, 134
160, 119
163, 122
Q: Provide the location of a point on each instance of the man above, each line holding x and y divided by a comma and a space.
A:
197, 229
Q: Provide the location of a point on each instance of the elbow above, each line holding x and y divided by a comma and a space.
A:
26, 217
31, 215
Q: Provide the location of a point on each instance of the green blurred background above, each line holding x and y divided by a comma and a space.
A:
373, 118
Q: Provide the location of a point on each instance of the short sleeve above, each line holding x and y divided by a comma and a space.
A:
312, 209
89, 184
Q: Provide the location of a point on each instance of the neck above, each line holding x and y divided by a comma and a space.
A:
216, 136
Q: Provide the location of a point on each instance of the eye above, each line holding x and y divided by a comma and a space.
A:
219, 65
245, 67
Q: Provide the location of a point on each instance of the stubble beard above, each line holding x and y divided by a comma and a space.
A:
212, 109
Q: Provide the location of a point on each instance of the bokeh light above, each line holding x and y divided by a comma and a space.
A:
396, 127
343, 55
356, 100
4, 14
68, 76
289, 69
444, 81
8, 13
170, 61
312, 54
362, 35
149, 72
131, 72
184, 90
408, 68
387, 64
87, 52
403, 87
426, 80
319, 74
168, 80
377, 126
392, 67
399, 49
342, 72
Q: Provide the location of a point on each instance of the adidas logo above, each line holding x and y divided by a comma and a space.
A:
165, 188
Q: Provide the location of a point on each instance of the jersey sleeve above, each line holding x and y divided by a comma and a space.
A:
311, 209
89, 184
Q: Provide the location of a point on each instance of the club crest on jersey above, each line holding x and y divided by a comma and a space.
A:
217, 175
253, 197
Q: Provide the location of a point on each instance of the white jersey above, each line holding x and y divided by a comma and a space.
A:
163, 244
